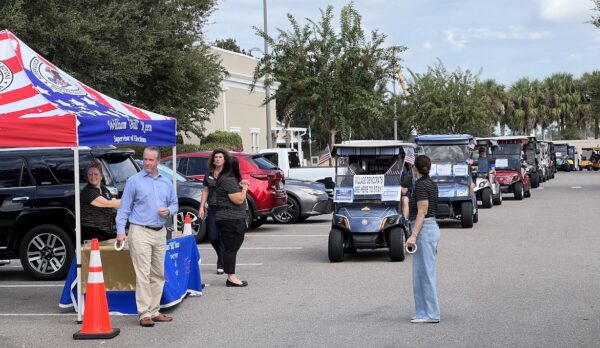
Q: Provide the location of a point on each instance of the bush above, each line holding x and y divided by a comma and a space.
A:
229, 140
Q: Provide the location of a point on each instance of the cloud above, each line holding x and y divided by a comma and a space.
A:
563, 10
458, 38
458, 42
427, 45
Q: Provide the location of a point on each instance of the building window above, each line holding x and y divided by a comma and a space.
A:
255, 132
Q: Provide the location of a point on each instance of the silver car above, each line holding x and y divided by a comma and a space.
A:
305, 199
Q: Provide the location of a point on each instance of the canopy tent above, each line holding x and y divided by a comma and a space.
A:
42, 106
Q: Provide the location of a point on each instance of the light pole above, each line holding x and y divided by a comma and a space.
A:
267, 89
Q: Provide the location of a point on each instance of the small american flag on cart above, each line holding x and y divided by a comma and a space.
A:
325, 155
409, 155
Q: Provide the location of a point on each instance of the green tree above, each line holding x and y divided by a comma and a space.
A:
592, 82
149, 53
442, 102
331, 80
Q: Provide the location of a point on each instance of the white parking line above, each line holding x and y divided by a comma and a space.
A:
287, 235
260, 248
37, 314
237, 264
33, 286
576, 187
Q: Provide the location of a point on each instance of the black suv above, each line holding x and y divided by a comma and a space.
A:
37, 200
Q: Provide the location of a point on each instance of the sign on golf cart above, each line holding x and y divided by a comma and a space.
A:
368, 184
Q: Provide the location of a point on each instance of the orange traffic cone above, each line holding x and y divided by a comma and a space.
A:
96, 321
187, 225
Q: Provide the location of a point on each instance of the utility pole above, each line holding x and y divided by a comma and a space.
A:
267, 77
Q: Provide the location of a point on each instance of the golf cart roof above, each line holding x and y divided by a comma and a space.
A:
513, 138
486, 142
446, 139
370, 148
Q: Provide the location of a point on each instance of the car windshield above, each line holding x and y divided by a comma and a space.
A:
121, 168
446, 153
294, 160
261, 162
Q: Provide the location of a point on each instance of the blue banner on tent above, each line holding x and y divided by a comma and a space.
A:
182, 278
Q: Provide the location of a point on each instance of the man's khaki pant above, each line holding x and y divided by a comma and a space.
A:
147, 248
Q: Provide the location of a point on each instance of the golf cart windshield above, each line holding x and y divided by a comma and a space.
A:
508, 156
446, 153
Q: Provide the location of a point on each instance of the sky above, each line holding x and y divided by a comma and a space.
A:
503, 40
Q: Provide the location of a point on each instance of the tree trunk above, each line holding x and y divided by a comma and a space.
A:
332, 133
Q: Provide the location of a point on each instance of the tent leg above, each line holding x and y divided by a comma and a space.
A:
77, 232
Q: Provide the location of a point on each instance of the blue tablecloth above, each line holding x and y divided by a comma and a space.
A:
182, 278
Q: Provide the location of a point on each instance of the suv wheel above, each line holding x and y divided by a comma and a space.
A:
198, 225
46, 252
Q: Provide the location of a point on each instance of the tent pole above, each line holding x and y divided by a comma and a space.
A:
77, 232
175, 184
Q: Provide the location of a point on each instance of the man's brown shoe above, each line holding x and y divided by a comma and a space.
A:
162, 318
146, 322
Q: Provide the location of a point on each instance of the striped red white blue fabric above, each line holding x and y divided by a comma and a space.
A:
41, 105
325, 155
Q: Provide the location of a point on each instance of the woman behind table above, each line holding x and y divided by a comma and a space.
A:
97, 205
231, 219
425, 235
218, 165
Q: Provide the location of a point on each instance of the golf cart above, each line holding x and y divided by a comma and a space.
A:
562, 157
487, 188
590, 158
534, 166
450, 171
512, 167
573, 160
367, 212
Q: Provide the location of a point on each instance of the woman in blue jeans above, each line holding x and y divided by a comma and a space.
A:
425, 235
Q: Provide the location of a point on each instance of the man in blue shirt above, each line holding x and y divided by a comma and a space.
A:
147, 202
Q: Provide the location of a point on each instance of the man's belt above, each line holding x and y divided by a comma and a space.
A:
154, 228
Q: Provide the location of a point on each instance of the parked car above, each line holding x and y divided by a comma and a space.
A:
37, 203
304, 199
189, 195
266, 193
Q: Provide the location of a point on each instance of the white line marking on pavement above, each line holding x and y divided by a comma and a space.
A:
287, 235
11, 267
237, 264
576, 187
36, 314
262, 248
33, 286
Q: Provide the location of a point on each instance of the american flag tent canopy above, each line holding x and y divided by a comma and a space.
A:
41, 105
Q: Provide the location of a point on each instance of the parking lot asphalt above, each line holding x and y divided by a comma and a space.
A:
527, 275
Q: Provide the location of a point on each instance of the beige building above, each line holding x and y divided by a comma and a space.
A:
239, 109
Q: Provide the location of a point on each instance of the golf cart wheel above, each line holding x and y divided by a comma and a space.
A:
486, 198
498, 200
527, 194
466, 214
476, 217
535, 180
396, 241
335, 250
518, 190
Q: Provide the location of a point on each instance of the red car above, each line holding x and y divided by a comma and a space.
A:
510, 165
267, 191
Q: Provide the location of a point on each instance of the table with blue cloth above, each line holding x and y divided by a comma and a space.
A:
182, 276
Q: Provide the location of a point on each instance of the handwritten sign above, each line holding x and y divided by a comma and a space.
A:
368, 184
501, 162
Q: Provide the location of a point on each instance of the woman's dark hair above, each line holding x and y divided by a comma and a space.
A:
211, 161
235, 168
423, 164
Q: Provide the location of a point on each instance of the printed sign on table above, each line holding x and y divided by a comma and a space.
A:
368, 184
